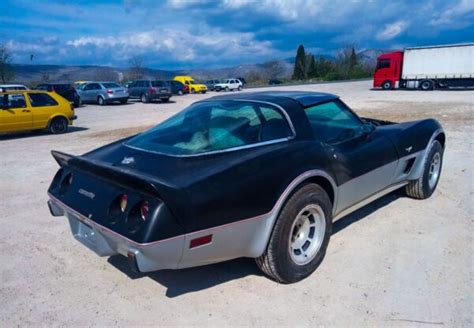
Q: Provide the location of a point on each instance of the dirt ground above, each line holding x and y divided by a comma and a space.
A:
396, 262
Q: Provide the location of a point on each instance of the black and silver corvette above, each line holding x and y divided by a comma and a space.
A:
260, 175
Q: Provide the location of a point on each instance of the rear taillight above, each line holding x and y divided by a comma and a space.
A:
144, 210
123, 202
152, 90
110, 91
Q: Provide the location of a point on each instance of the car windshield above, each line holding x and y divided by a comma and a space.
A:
111, 85
215, 125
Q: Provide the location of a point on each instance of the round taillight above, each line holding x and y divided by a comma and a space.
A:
123, 202
65, 183
144, 210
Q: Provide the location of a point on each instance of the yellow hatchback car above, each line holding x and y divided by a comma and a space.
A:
24, 110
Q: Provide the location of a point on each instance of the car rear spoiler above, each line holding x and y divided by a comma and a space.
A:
112, 174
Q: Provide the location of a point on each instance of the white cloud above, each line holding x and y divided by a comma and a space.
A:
392, 30
458, 15
182, 45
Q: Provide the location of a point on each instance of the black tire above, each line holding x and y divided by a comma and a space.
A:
124, 101
58, 125
239, 88
180, 92
165, 100
424, 187
277, 260
426, 85
226, 89
100, 101
193, 91
77, 102
387, 85
144, 98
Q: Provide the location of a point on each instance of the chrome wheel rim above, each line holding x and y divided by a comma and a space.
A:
435, 167
307, 234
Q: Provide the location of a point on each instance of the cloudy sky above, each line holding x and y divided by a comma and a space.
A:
196, 33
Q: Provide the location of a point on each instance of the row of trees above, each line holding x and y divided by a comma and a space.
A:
346, 66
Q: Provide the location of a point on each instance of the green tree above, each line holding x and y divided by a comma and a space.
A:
312, 72
299, 72
6, 70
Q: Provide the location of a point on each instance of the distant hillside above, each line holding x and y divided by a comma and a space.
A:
63, 73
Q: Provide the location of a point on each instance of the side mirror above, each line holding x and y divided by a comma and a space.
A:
368, 128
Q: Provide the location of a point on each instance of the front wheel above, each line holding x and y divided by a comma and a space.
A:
424, 186
101, 101
144, 98
165, 100
300, 237
58, 125
387, 85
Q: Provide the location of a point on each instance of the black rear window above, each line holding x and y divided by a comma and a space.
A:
158, 83
41, 99
62, 87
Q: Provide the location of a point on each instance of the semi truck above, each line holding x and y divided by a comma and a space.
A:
426, 68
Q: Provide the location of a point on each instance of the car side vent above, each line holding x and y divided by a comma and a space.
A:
409, 165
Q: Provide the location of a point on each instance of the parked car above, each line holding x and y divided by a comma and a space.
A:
9, 87
274, 81
24, 110
211, 83
194, 87
229, 85
260, 175
127, 84
102, 93
177, 88
241, 79
149, 90
65, 90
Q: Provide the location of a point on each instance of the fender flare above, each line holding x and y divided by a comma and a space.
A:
261, 241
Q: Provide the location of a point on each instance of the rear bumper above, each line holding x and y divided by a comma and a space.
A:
156, 96
115, 98
164, 254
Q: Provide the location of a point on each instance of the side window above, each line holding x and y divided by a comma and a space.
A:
41, 100
333, 123
88, 87
383, 63
12, 101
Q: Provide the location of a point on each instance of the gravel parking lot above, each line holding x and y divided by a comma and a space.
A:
396, 262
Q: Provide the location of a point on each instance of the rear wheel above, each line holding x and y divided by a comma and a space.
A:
424, 187
58, 125
124, 101
165, 99
193, 91
239, 88
226, 89
144, 98
387, 85
101, 101
300, 237
426, 85
180, 92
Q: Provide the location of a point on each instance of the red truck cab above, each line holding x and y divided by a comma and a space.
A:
388, 70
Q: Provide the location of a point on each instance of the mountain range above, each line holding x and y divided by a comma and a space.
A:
283, 68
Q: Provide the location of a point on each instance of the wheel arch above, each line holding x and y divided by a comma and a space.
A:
316, 176
54, 116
